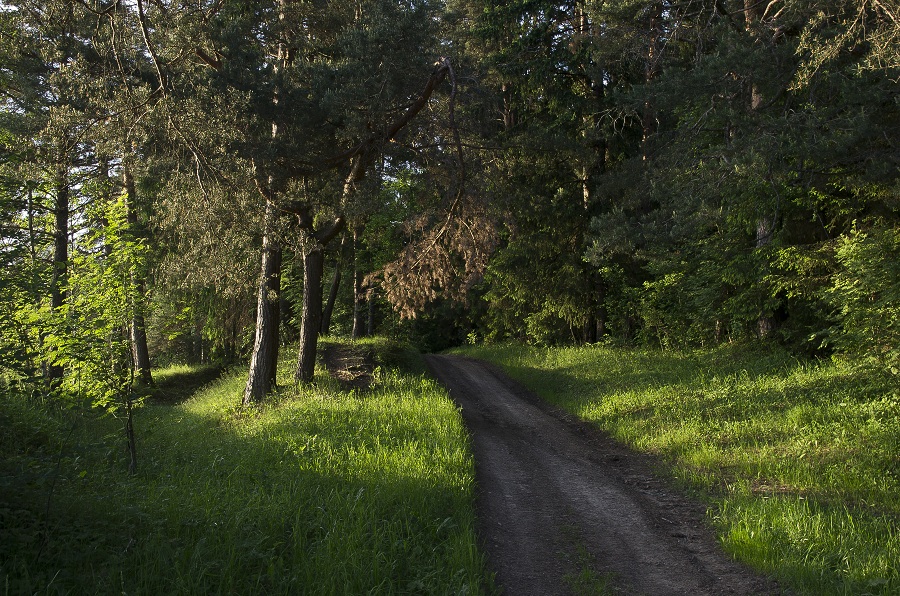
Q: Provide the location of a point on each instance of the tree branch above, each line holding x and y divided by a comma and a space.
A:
443, 68
142, 17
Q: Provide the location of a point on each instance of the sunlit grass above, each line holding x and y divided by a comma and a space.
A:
798, 460
319, 491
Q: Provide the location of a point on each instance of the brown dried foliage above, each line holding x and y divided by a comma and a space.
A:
444, 258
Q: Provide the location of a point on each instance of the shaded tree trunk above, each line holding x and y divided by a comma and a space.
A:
359, 296
765, 224
139, 349
335, 286
60, 269
651, 71
264, 361
311, 316
370, 321
313, 266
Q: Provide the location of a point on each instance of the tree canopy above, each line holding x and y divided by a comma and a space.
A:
180, 181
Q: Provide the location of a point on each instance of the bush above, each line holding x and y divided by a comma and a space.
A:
866, 292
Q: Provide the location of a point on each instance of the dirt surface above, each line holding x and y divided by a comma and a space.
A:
563, 509
353, 367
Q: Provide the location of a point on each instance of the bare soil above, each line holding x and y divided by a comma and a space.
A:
564, 509
353, 367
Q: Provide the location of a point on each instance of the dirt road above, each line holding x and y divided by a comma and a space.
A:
563, 509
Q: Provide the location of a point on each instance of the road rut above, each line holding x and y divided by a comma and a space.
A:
563, 509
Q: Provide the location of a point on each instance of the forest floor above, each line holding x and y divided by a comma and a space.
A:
353, 367
564, 509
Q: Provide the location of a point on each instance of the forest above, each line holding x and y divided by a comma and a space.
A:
210, 181
229, 183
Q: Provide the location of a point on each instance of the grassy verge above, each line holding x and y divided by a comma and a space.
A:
320, 492
798, 460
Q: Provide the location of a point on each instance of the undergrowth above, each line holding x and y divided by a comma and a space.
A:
319, 491
798, 460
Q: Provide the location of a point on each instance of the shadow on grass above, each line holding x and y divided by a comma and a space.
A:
331, 496
175, 386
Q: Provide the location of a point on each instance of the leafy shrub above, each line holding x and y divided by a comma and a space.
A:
866, 291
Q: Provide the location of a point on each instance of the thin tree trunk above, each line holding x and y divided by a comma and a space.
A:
765, 225
313, 265
370, 322
60, 255
263, 362
333, 292
359, 296
651, 71
130, 442
139, 348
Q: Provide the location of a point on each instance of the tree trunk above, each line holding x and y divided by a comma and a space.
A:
370, 322
333, 292
651, 71
359, 296
130, 442
765, 225
313, 265
139, 348
264, 361
60, 255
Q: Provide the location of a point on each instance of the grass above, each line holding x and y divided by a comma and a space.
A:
320, 491
799, 461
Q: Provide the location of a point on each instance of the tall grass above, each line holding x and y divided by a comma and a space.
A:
320, 491
798, 460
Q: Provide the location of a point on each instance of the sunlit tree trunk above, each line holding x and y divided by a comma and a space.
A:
263, 362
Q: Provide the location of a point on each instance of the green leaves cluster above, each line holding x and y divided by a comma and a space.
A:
866, 294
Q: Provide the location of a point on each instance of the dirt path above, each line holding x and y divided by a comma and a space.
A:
563, 509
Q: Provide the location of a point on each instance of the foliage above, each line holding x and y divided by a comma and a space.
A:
867, 291
90, 337
796, 459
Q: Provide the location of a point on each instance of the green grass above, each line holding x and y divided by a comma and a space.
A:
799, 461
320, 491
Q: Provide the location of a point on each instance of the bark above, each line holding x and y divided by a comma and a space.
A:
651, 71
333, 292
765, 225
60, 255
139, 348
263, 362
130, 442
359, 297
311, 316
370, 322
60, 238
313, 265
